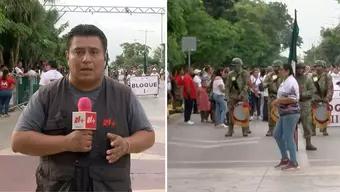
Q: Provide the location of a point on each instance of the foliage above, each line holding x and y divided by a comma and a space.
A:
255, 31
329, 48
27, 33
133, 57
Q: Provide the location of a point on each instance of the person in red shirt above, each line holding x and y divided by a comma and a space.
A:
189, 95
7, 83
177, 88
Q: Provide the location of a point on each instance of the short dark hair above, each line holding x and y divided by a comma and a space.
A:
53, 64
86, 30
218, 72
5, 74
288, 67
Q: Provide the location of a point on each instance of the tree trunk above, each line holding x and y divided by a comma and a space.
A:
1, 57
16, 51
11, 60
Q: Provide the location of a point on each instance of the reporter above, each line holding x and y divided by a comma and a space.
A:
83, 160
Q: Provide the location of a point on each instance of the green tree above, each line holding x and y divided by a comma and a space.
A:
219, 8
255, 31
328, 49
28, 33
176, 29
132, 56
157, 57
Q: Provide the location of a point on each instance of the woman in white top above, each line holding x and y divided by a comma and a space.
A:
287, 101
218, 96
255, 95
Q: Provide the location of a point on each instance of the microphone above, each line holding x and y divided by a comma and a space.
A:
84, 119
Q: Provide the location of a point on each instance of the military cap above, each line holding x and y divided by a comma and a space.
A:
236, 61
277, 63
321, 63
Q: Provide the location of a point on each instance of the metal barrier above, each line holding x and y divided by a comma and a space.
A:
25, 87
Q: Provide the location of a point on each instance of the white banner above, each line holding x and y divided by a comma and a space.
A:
335, 103
147, 85
335, 110
336, 84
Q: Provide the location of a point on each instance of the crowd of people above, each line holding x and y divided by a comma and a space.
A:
123, 75
47, 73
234, 95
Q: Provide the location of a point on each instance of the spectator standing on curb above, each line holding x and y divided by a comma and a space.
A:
51, 74
189, 95
7, 83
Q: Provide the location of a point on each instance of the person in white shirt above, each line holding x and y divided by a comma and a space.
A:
255, 93
287, 101
18, 69
31, 73
197, 79
51, 74
121, 76
154, 73
131, 74
335, 72
218, 96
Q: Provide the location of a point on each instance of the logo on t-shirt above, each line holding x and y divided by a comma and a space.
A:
108, 122
4, 84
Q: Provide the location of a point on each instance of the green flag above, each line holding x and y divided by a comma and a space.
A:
292, 59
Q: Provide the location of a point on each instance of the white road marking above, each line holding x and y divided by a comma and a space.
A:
204, 146
214, 141
302, 154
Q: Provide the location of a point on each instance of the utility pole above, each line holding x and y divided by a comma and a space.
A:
145, 50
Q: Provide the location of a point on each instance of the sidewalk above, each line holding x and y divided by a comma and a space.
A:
202, 159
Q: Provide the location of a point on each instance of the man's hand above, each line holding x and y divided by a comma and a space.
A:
79, 141
120, 147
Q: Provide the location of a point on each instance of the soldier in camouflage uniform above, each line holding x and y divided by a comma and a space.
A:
272, 82
323, 87
236, 90
307, 90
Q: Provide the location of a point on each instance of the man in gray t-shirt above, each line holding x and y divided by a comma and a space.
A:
83, 160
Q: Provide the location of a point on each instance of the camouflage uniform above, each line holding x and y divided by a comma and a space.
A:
236, 90
307, 90
272, 82
325, 91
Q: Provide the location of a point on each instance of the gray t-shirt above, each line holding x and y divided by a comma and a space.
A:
33, 117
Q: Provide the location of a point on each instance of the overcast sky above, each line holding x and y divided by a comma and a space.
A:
120, 28
312, 16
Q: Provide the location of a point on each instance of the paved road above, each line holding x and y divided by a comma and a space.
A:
200, 158
147, 168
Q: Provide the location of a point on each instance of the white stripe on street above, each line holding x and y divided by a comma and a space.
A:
302, 154
204, 146
240, 161
213, 141
222, 162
